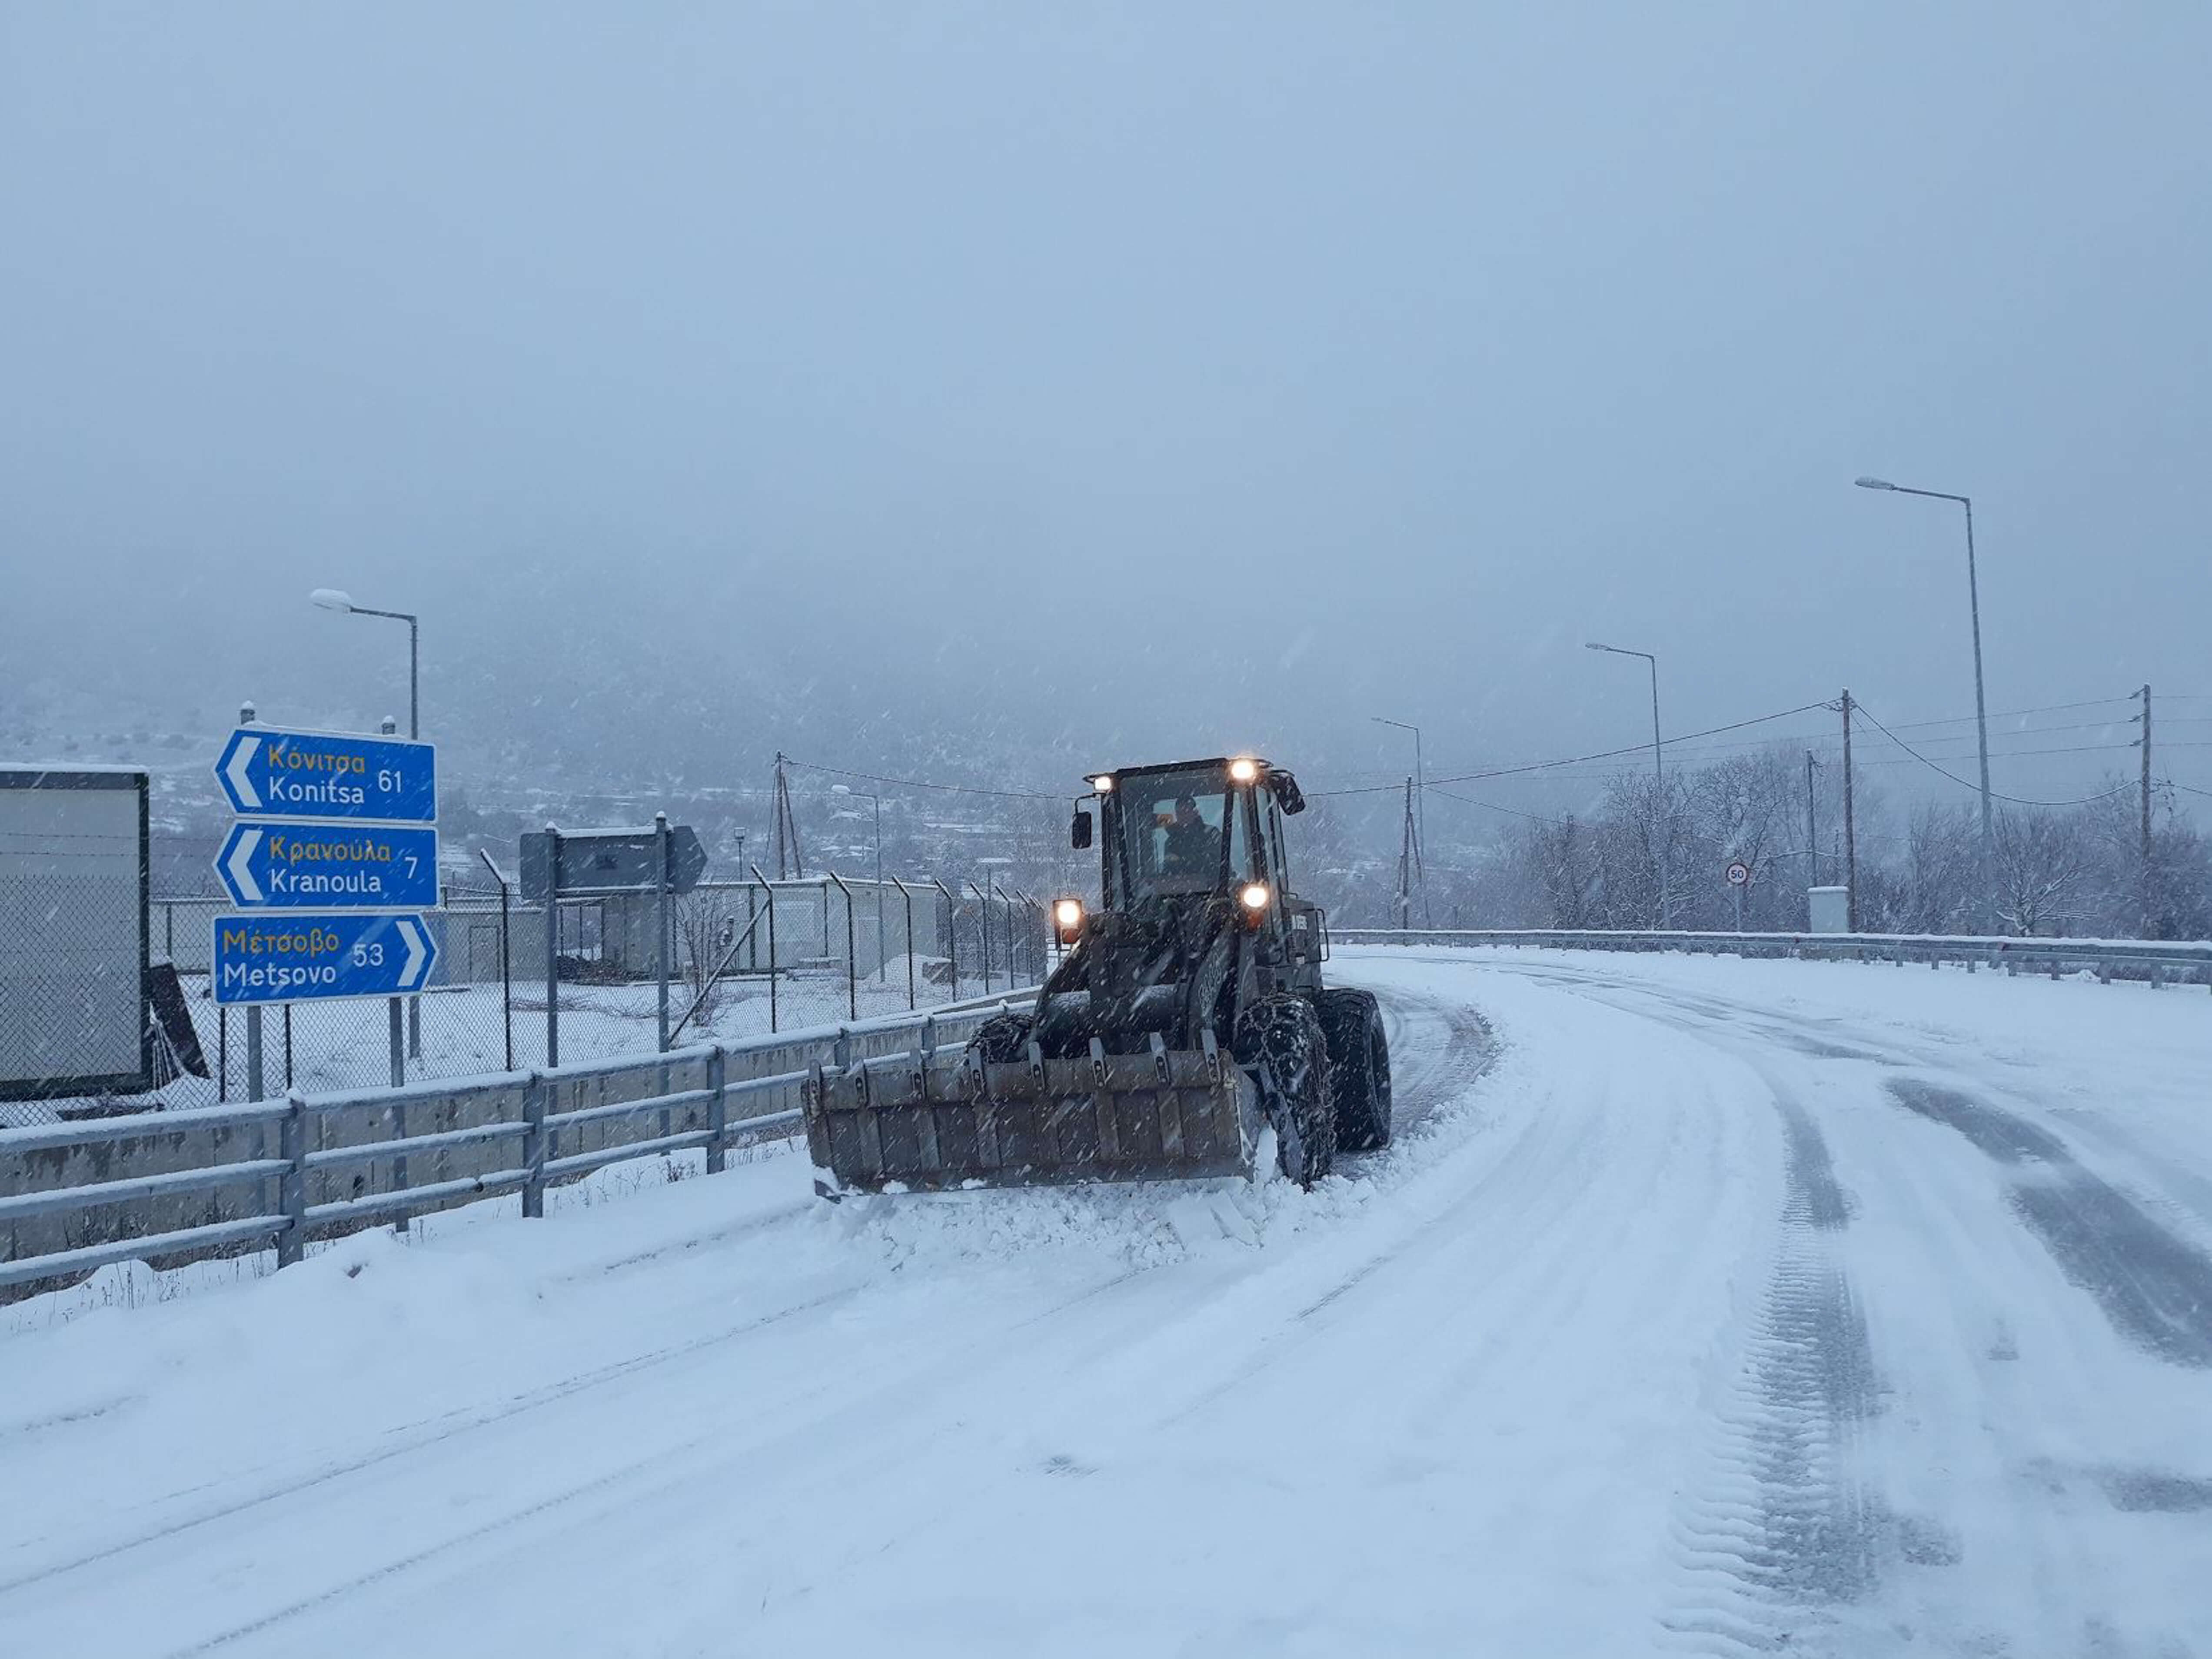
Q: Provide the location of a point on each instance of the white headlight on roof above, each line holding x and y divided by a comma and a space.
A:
1244, 769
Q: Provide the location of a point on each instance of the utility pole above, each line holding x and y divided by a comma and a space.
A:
1420, 815
1812, 834
775, 810
1406, 845
792, 863
2149, 892
1851, 829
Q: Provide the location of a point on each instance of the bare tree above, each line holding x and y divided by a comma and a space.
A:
1932, 889
705, 926
1562, 860
2043, 869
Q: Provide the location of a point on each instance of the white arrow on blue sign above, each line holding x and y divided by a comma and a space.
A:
312, 867
329, 774
297, 959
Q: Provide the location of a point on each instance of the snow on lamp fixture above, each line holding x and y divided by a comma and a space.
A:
331, 599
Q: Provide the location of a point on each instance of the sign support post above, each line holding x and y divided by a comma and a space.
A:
552, 946
661, 920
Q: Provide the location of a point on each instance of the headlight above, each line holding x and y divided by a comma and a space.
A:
1068, 914
1253, 895
1104, 783
1243, 770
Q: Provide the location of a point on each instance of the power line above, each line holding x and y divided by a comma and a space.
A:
1510, 811
2017, 800
921, 783
1577, 760
2015, 714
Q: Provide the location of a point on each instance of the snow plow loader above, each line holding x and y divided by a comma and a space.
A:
1186, 1020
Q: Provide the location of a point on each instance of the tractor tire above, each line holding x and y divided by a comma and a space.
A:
1001, 1039
1279, 1038
1358, 1068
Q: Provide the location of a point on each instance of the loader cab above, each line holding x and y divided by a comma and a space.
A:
1200, 828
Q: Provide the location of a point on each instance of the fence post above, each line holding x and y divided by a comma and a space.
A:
907, 893
534, 1094
768, 894
506, 975
292, 1186
717, 1110
661, 922
552, 946
951, 940
851, 979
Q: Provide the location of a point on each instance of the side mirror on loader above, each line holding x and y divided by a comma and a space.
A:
1078, 833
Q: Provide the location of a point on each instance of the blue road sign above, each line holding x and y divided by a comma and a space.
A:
296, 958
329, 774
313, 866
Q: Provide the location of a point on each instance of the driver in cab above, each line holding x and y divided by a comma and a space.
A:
1193, 849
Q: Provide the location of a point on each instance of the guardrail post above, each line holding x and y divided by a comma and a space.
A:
717, 1110
534, 1094
292, 1187
841, 1050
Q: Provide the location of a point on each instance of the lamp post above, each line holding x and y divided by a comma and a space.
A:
332, 599
842, 789
1981, 705
1420, 807
1658, 774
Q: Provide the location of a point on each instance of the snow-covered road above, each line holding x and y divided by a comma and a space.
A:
1701, 1306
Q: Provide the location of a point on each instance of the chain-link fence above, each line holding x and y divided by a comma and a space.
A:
743, 958
750, 957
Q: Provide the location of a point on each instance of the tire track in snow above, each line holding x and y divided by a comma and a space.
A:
2152, 1288
1785, 1529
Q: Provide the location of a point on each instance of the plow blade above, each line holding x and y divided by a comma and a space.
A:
911, 1125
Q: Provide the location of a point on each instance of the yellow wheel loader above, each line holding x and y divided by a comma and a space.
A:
1187, 1019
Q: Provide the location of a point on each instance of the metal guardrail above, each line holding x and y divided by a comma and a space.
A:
767, 1071
2152, 960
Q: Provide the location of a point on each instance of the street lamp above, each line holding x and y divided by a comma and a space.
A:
332, 599
1658, 774
1981, 705
1420, 809
842, 789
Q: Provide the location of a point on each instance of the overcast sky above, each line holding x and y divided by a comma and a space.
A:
1240, 371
